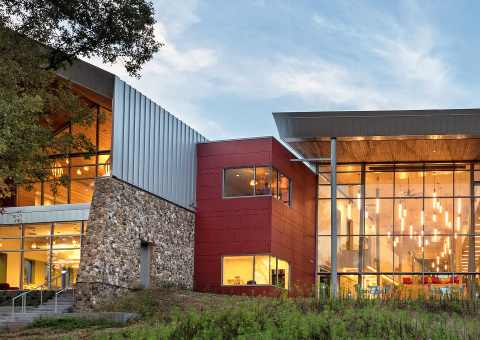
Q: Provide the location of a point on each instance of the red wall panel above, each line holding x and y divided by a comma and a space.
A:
252, 225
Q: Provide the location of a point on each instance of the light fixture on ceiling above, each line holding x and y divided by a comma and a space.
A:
34, 246
79, 172
86, 168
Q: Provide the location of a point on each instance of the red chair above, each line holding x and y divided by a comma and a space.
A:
407, 281
454, 279
424, 280
436, 280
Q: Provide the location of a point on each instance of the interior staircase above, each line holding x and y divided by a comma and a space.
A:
65, 304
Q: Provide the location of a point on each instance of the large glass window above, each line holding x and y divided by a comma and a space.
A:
257, 181
30, 254
81, 171
411, 224
242, 270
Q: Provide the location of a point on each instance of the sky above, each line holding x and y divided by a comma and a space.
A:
227, 65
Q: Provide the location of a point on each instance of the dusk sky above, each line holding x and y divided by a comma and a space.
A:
227, 65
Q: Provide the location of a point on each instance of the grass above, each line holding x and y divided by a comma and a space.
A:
172, 313
70, 324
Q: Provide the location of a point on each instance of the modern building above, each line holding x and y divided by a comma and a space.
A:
159, 203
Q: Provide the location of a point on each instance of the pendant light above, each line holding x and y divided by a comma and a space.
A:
446, 218
388, 235
34, 246
458, 223
366, 214
373, 227
377, 205
435, 237
438, 259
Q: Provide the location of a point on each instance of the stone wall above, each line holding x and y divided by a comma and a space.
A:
121, 217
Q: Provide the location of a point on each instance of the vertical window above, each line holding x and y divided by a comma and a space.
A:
237, 270
284, 189
262, 181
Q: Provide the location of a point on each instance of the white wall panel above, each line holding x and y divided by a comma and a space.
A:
46, 213
152, 149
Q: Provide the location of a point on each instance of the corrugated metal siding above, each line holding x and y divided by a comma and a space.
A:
152, 149
46, 213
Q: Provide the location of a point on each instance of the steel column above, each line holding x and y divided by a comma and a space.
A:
333, 145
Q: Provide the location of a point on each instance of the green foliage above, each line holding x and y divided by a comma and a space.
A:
70, 324
284, 317
118, 31
31, 99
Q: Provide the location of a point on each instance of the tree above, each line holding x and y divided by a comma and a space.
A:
38, 37
119, 31
30, 98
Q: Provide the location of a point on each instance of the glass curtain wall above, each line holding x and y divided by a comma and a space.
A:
32, 254
82, 172
402, 225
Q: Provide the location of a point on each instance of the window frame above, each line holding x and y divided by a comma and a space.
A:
254, 180
253, 271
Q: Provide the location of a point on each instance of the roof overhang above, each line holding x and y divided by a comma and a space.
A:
384, 136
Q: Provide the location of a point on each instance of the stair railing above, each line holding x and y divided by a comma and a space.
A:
24, 299
64, 289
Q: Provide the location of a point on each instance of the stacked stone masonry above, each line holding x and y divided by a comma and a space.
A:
122, 217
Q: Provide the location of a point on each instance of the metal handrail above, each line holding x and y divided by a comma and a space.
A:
64, 289
24, 300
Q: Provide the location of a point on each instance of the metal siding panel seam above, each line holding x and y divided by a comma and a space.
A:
166, 140
117, 122
181, 163
174, 184
131, 136
154, 147
146, 155
125, 128
161, 146
168, 164
152, 158
140, 166
136, 140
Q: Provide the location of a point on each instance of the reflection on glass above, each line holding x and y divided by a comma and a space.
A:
81, 191
105, 131
60, 198
262, 181
65, 228
262, 274
324, 217
283, 274
36, 229
66, 261
239, 182
348, 217
237, 270
10, 244
284, 189
30, 198
35, 268
275, 183
324, 254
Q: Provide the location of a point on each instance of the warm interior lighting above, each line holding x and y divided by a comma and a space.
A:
396, 238
419, 241
433, 265
388, 235
443, 254
437, 269
378, 203
373, 227
422, 217
86, 168
34, 246
448, 242
349, 211
79, 172
426, 242
434, 218
252, 182
458, 223
455, 235
446, 218
445, 267
1, 244
449, 251
403, 224
438, 204
366, 214
400, 210
459, 205
440, 209
394, 243
438, 259
435, 237
422, 249
411, 229
449, 225
358, 201
404, 212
